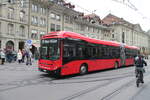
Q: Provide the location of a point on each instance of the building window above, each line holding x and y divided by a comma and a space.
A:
10, 13
123, 37
22, 3
34, 8
98, 30
89, 28
52, 27
52, 0
42, 22
0, 45
68, 28
11, 1
22, 31
10, 29
93, 29
34, 34
58, 28
43, 10
0, 11
67, 18
113, 35
42, 33
52, 15
55, 16
0, 28
22, 16
82, 27
55, 27
58, 17
34, 20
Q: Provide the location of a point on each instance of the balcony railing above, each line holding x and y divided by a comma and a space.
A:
10, 16
10, 34
22, 34
22, 20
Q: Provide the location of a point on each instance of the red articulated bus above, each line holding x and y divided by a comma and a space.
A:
65, 53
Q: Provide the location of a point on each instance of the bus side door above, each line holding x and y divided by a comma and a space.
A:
91, 55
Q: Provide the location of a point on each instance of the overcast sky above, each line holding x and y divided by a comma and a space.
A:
141, 15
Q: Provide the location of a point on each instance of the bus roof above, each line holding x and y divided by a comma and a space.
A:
132, 47
64, 34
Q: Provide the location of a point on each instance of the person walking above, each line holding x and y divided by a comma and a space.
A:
19, 56
23, 55
2, 56
29, 58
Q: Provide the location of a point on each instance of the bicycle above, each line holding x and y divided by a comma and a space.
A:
139, 76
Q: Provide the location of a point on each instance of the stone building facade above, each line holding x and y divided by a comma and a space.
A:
13, 25
30, 19
128, 33
22, 20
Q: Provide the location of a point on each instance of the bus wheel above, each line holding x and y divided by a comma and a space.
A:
83, 69
116, 65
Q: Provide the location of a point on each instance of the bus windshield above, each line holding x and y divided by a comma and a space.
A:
50, 49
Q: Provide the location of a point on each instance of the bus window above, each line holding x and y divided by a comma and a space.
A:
104, 51
69, 51
50, 49
43, 53
80, 52
94, 52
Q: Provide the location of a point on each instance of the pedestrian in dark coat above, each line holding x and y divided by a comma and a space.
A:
29, 57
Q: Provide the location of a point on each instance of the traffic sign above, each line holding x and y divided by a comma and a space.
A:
29, 42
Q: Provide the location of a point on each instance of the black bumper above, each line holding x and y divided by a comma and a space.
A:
53, 72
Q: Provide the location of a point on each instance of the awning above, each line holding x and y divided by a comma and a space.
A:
36, 45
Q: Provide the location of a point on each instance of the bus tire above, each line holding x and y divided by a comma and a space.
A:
116, 65
83, 69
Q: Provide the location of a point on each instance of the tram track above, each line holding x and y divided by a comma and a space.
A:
108, 96
23, 83
110, 75
45, 80
117, 91
93, 80
78, 94
85, 91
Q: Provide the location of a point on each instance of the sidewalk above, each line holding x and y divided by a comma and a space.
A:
15, 71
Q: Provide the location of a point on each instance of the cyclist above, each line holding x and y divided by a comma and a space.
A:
139, 63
